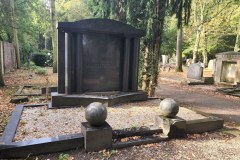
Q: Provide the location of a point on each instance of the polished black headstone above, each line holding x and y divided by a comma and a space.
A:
101, 62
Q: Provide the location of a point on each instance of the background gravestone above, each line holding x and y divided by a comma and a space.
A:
227, 67
164, 59
98, 58
195, 71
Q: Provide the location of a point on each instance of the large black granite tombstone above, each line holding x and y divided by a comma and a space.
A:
97, 61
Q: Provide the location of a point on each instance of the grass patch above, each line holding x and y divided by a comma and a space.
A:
41, 71
231, 131
63, 156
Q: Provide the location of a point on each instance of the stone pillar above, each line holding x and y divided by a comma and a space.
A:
61, 61
96, 131
126, 65
68, 60
79, 58
136, 47
172, 125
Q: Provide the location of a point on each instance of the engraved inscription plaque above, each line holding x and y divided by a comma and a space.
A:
101, 62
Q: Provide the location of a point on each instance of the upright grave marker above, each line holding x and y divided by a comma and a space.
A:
195, 71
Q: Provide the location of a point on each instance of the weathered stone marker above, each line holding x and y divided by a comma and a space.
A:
212, 64
97, 132
172, 126
227, 68
195, 71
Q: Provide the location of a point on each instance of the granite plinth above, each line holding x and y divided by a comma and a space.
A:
96, 138
64, 100
172, 127
204, 125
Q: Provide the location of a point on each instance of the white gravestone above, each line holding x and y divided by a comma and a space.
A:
195, 71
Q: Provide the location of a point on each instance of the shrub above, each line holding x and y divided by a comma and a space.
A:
63, 156
41, 70
39, 59
31, 64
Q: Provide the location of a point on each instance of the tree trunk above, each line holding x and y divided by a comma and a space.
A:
9, 38
145, 68
205, 49
179, 50
46, 39
15, 34
196, 46
1, 69
161, 8
199, 30
154, 69
41, 41
237, 43
54, 34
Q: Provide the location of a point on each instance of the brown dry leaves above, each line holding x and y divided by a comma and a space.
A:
6, 109
15, 79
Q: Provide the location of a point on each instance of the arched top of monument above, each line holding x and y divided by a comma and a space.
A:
228, 53
100, 26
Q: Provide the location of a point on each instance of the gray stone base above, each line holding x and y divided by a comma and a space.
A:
177, 127
172, 127
96, 138
202, 81
204, 125
107, 98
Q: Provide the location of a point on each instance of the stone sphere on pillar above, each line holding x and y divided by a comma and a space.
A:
96, 114
169, 108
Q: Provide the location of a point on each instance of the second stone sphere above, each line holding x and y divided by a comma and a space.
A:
169, 108
96, 113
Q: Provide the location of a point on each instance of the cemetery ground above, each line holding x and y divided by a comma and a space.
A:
221, 144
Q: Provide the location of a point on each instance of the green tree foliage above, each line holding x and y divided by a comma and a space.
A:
182, 10
31, 21
54, 33
71, 10
144, 14
217, 22
169, 36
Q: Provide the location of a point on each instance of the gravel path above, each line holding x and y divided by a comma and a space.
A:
228, 109
40, 122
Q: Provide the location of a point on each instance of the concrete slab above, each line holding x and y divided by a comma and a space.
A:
204, 125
